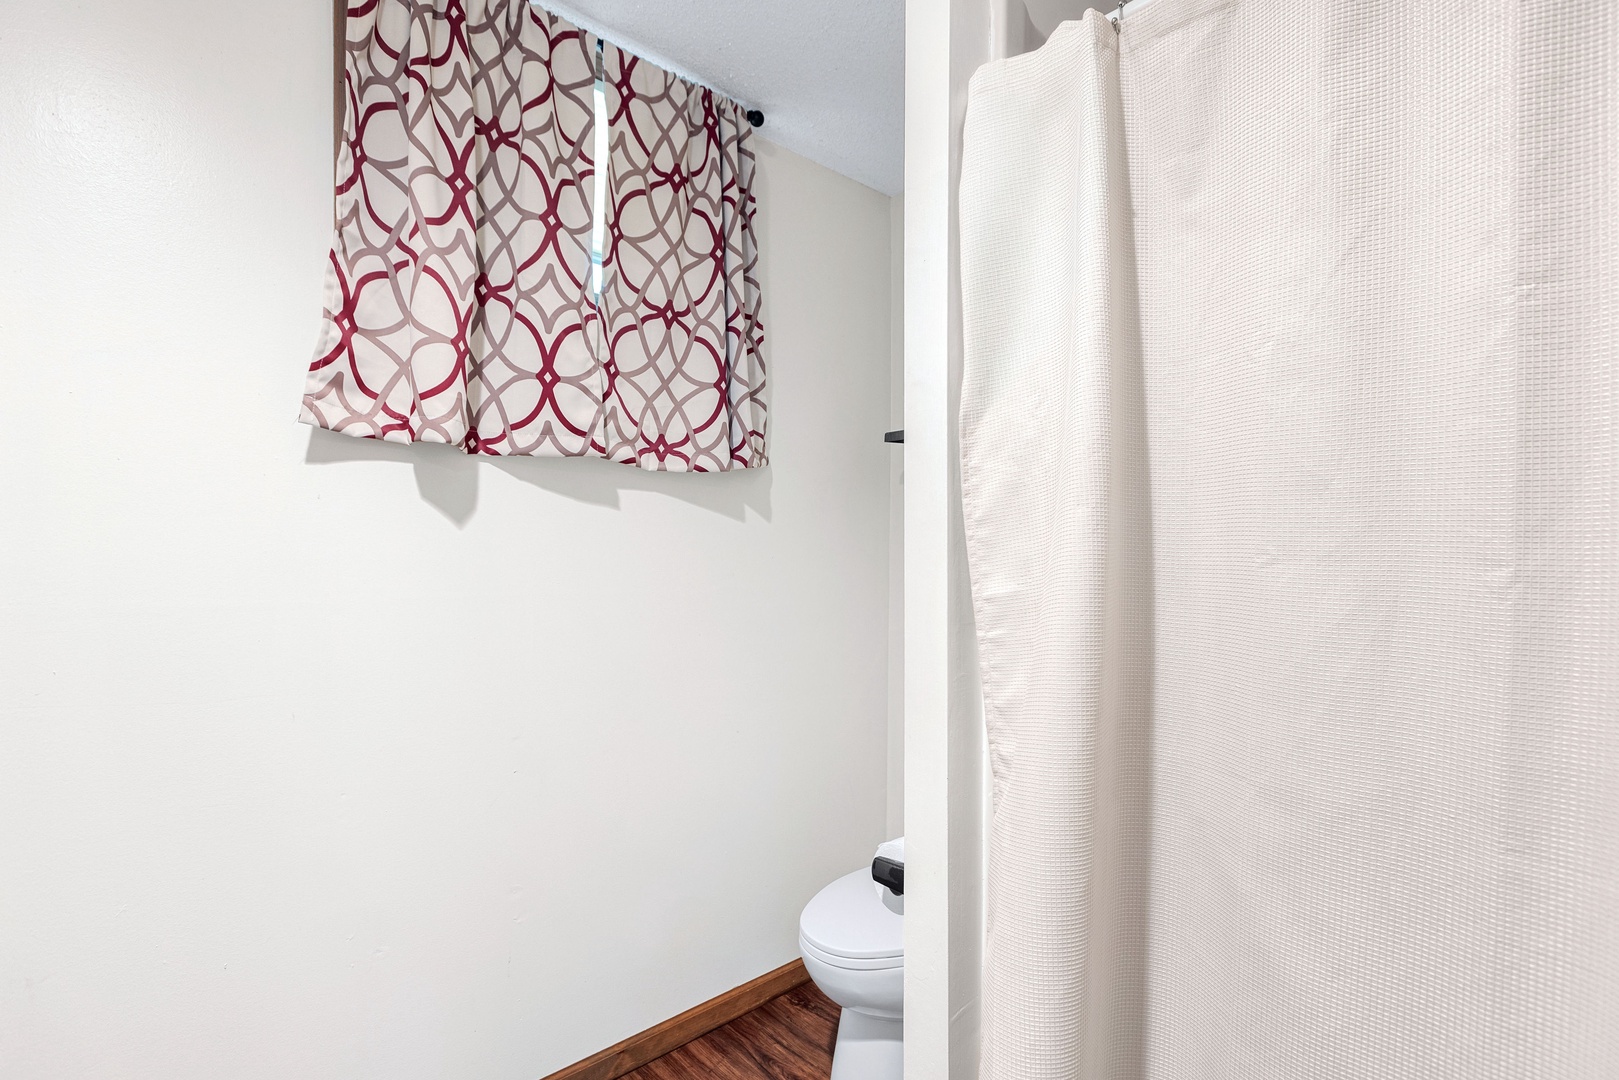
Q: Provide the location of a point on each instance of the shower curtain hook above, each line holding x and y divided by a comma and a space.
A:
1118, 18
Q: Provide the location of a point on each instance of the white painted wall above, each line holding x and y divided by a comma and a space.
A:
946, 41
326, 759
896, 526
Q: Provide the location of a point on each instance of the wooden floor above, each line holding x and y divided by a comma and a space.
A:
789, 1038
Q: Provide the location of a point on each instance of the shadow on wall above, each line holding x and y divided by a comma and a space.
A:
448, 479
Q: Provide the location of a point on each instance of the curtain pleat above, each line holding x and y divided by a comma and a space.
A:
1053, 498
681, 299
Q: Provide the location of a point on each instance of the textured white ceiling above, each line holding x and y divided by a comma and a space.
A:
828, 74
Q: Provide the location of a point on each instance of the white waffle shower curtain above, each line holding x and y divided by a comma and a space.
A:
1290, 470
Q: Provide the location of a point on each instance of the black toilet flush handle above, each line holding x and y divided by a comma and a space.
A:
889, 874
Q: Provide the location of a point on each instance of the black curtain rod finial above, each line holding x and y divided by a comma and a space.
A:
756, 118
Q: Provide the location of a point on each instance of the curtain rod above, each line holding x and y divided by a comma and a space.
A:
1125, 8
591, 26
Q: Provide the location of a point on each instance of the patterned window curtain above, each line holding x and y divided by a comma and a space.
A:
680, 299
460, 303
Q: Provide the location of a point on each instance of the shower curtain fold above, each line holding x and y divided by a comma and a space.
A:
1054, 505
1290, 473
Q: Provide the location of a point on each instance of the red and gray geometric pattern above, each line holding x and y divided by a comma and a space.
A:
458, 294
685, 386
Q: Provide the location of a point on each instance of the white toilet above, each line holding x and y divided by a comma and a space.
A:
852, 938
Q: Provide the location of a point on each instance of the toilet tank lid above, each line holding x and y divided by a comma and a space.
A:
848, 918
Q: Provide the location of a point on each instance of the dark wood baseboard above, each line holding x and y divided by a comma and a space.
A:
677, 1031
